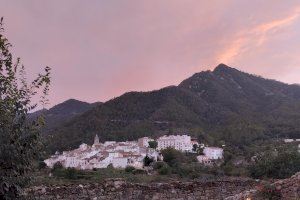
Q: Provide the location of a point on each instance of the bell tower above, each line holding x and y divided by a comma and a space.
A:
96, 140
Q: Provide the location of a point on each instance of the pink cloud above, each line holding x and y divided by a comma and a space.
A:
101, 49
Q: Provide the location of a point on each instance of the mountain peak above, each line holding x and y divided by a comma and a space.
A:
222, 68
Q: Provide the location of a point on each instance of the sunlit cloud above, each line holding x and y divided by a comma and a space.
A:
252, 38
105, 48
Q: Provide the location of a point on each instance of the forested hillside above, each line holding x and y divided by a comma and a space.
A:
220, 106
62, 112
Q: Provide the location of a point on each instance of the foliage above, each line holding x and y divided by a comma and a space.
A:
173, 156
183, 165
277, 163
147, 160
20, 141
158, 165
129, 169
42, 165
270, 192
153, 144
164, 170
62, 112
68, 173
57, 166
71, 173
195, 147
224, 106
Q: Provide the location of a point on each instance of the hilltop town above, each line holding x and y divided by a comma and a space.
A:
131, 153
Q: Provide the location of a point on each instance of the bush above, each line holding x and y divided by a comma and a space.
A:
173, 156
20, 141
282, 163
139, 171
152, 144
42, 165
147, 161
71, 173
164, 170
110, 166
270, 192
129, 169
158, 165
57, 166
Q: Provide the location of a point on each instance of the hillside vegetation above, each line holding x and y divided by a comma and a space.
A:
221, 106
62, 112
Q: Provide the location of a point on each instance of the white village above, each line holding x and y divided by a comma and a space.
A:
130, 153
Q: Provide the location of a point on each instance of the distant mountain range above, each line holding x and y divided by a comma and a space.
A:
63, 112
221, 105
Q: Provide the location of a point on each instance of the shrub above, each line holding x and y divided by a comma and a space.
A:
270, 192
129, 169
139, 171
282, 163
57, 166
147, 161
20, 142
152, 144
42, 165
173, 156
71, 173
110, 166
164, 170
158, 165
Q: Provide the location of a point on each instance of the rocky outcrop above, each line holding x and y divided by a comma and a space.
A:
119, 189
288, 189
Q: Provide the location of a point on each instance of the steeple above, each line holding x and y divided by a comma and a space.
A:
96, 140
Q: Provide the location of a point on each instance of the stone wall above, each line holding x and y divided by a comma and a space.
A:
288, 188
118, 189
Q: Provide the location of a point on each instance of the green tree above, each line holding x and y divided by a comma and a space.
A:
71, 173
148, 161
129, 169
152, 144
19, 138
200, 151
195, 147
173, 156
282, 163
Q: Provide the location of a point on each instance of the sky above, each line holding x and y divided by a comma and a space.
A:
100, 49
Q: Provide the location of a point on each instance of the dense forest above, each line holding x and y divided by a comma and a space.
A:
220, 106
62, 112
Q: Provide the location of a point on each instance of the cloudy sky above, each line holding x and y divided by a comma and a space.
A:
99, 49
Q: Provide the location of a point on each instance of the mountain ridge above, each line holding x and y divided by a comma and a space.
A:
62, 112
208, 103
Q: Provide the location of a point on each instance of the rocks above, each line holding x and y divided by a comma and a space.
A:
114, 189
288, 188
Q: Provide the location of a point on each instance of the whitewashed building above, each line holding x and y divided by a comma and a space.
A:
213, 152
178, 142
204, 160
119, 154
288, 140
210, 155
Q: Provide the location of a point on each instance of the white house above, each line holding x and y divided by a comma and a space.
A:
120, 162
210, 154
288, 140
204, 159
179, 142
213, 153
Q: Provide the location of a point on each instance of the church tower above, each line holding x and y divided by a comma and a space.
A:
96, 140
